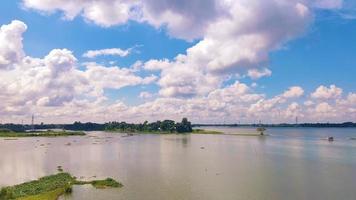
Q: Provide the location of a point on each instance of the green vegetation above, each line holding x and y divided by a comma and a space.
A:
165, 126
100, 184
48, 133
203, 131
50, 187
109, 182
161, 127
43, 188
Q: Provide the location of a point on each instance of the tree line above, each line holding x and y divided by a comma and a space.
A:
166, 126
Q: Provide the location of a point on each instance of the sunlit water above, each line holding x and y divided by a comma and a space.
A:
291, 163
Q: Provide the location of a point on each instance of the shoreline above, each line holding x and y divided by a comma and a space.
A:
47, 133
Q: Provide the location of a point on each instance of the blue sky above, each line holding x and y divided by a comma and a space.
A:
323, 54
47, 32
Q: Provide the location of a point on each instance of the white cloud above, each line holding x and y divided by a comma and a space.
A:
234, 44
157, 64
236, 37
184, 15
256, 74
11, 44
102, 77
293, 110
145, 95
30, 84
178, 17
323, 92
111, 52
104, 13
107, 14
323, 108
294, 91
308, 103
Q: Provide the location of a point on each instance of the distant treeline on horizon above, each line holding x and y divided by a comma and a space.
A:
165, 125
159, 126
317, 125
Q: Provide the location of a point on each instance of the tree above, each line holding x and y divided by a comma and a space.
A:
168, 125
184, 127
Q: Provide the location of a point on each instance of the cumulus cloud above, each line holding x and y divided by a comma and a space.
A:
235, 37
238, 102
184, 15
104, 13
323, 92
231, 45
11, 43
293, 110
275, 105
111, 52
323, 108
294, 91
102, 77
53, 81
177, 16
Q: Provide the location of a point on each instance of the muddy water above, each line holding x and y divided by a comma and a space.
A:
289, 164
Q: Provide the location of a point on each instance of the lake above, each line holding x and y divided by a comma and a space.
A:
291, 163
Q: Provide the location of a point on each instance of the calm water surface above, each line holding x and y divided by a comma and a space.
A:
292, 163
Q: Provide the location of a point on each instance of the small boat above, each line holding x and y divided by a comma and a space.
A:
330, 139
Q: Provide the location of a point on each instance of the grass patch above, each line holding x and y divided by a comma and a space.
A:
48, 133
51, 195
51, 187
132, 132
45, 187
202, 131
100, 184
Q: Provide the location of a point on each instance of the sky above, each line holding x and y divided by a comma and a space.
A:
213, 61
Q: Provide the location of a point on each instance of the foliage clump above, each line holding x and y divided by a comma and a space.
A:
58, 183
109, 182
50, 187
165, 126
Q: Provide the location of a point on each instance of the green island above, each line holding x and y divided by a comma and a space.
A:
51, 187
47, 133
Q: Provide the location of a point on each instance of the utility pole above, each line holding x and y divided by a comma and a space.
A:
32, 122
296, 120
